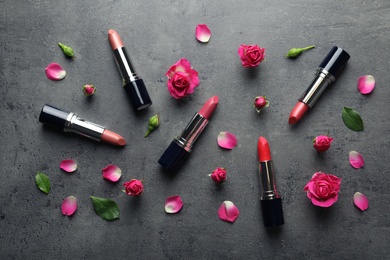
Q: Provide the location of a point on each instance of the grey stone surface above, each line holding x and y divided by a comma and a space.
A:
157, 34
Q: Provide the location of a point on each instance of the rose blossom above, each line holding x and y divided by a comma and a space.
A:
251, 55
322, 143
182, 79
218, 175
134, 187
323, 189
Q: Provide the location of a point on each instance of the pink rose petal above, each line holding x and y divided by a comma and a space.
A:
366, 84
356, 159
203, 33
173, 204
55, 72
360, 201
69, 206
228, 211
227, 140
68, 165
112, 173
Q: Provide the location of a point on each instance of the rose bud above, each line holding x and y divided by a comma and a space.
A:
88, 90
218, 175
322, 143
260, 102
68, 51
154, 122
134, 187
295, 52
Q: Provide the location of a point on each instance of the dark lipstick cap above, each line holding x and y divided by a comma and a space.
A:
138, 94
335, 61
173, 157
53, 116
272, 212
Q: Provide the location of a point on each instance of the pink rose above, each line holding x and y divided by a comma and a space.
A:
260, 102
323, 189
88, 89
251, 55
134, 187
218, 175
182, 79
322, 143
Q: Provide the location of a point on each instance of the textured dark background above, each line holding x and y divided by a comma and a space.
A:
157, 34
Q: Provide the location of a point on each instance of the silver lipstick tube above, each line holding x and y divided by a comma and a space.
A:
77, 125
191, 132
322, 80
267, 181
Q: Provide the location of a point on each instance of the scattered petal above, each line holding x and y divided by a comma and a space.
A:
227, 140
360, 201
68, 165
203, 33
43, 182
69, 206
173, 204
356, 159
112, 173
228, 211
366, 84
55, 72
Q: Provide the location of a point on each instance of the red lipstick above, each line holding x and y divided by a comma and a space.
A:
132, 82
69, 122
271, 203
180, 148
327, 73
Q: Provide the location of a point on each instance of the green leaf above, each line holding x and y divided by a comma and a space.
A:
352, 119
107, 209
42, 182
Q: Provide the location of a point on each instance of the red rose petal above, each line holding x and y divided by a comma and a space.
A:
356, 159
55, 72
227, 140
366, 84
112, 173
68, 165
360, 201
173, 204
228, 211
69, 206
203, 33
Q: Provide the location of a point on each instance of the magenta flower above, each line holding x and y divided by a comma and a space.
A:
323, 189
88, 90
260, 102
251, 55
182, 79
218, 175
134, 187
322, 143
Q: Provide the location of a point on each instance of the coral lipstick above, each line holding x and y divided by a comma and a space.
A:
132, 82
271, 203
69, 122
327, 72
180, 148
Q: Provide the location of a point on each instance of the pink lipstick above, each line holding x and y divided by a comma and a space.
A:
132, 83
69, 122
271, 203
180, 148
327, 73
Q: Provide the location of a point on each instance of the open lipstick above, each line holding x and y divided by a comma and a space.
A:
132, 83
271, 203
181, 146
69, 122
326, 74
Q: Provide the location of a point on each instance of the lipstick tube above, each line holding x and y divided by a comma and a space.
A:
326, 74
271, 203
70, 122
132, 82
181, 146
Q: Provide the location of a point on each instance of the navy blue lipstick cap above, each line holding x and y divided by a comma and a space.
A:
173, 157
335, 61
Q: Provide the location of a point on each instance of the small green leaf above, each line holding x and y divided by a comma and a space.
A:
107, 209
42, 182
352, 119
